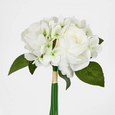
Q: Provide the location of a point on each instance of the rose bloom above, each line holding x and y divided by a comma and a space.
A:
77, 54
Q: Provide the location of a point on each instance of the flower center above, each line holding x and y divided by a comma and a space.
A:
44, 33
76, 38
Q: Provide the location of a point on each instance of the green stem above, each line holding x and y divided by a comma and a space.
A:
55, 68
54, 96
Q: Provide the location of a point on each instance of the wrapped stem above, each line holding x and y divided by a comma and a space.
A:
54, 93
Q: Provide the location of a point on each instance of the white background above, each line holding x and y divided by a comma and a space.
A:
24, 94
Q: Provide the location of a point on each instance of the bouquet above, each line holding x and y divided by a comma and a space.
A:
66, 44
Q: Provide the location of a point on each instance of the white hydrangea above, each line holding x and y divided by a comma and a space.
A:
94, 46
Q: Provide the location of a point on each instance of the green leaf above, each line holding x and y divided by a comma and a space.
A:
68, 82
32, 67
19, 63
92, 74
100, 40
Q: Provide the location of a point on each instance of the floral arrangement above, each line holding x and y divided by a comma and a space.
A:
66, 44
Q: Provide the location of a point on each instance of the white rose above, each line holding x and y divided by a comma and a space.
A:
77, 53
29, 35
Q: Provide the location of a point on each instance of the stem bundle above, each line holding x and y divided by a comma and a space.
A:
54, 93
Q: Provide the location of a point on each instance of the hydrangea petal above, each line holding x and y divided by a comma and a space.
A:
45, 29
88, 31
41, 39
98, 48
67, 21
58, 50
94, 54
45, 63
56, 31
82, 23
37, 62
55, 60
61, 21
94, 40
47, 58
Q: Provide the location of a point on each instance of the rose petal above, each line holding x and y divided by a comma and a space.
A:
73, 59
28, 47
30, 56
65, 68
78, 49
85, 57
34, 27
76, 67
37, 52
